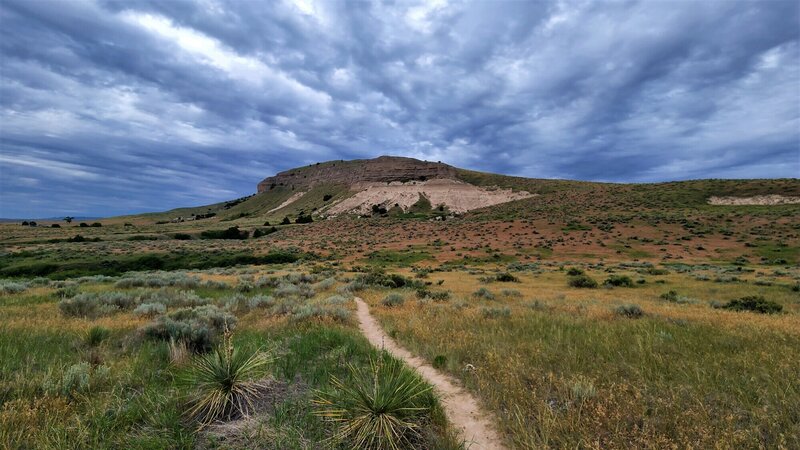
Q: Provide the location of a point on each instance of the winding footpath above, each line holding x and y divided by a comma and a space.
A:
462, 409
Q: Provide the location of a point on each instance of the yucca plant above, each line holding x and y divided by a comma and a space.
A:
381, 408
226, 382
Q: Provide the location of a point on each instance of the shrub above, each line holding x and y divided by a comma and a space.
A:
96, 225
325, 284
755, 303
496, 313
12, 287
260, 301
619, 281
305, 312
290, 290
392, 300
85, 305
484, 294
629, 311
507, 277
286, 221
437, 296
263, 232
182, 236
574, 271
337, 300
380, 278
159, 279
511, 293
225, 382
670, 296
230, 233
326, 197
382, 408
267, 282
150, 309
304, 219
582, 281
197, 327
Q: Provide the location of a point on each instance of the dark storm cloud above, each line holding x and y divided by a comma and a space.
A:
112, 107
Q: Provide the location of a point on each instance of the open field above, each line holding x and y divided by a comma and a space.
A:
574, 321
79, 375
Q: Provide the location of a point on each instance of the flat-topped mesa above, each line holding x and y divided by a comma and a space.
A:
381, 169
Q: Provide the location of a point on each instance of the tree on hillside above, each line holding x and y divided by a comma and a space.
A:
68, 219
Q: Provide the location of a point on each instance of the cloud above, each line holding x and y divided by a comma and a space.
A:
116, 107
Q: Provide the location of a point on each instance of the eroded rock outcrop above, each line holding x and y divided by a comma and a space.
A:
383, 169
456, 196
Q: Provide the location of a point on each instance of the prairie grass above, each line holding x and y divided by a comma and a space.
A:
575, 373
83, 382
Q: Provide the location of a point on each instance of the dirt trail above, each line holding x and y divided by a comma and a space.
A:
462, 409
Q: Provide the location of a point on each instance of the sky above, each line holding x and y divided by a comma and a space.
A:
114, 107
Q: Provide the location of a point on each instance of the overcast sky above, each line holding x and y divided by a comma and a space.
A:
111, 107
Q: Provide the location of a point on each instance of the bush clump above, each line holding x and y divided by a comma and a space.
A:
755, 303
150, 309
392, 280
496, 313
484, 294
12, 287
619, 281
506, 277
197, 327
230, 233
574, 271
393, 300
582, 281
259, 232
629, 311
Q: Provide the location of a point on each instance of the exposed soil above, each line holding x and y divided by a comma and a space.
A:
457, 196
755, 200
462, 409
288, 202
241, 432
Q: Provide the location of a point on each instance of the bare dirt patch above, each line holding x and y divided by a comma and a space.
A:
755, 200
289, 201
462, 409
253, 430
457, 196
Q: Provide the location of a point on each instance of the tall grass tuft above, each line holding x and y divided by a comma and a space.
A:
225, 382
96, 335
382, 408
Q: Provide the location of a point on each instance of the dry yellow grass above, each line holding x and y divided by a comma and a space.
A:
568, 372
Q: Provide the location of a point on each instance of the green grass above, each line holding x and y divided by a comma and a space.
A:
397, 258
77, 383
775, 253
58, 269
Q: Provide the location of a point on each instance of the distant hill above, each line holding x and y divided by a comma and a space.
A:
48, 219
407, 187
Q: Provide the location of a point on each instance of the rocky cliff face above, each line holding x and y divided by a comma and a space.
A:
381, 169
